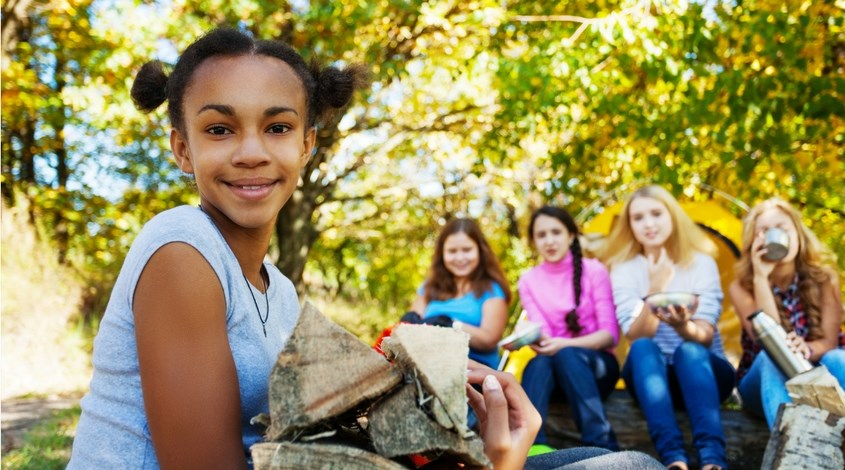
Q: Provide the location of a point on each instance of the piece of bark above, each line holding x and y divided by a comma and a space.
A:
436, 357
819, 388
322, 372
297, 456
805, 437
399, 427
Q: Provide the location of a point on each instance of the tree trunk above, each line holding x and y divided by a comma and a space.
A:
296, 229
295, 234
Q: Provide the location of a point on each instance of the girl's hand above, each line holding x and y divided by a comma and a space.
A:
660, 271
507, 421
675, 315
547, 346
760, 265
797, 344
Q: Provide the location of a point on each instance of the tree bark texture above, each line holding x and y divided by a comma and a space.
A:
805, 437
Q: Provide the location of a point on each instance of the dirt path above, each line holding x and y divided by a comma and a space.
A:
20, 414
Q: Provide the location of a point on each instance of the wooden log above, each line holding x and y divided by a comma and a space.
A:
297, 456
322, 372
818, 388
398, 427
436, 357
746, 435
805, 437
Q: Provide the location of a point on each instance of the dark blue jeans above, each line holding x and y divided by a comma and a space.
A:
586, 377
696, 379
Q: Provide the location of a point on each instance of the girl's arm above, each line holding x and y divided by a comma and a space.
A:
700, 325
188, 375
762, 295
601, 291
597, 340
494, 318
634, 317
743, 304
419, 305
831, 318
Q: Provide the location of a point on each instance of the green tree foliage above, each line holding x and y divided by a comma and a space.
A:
743, 98
480, 108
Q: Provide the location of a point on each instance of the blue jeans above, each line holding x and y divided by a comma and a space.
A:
697, 379
586, 377
765, 375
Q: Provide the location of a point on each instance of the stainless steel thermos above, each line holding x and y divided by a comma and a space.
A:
773, 338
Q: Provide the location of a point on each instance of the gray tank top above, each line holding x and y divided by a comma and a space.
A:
113, 431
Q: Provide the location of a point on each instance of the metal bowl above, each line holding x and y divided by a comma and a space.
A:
660, 300
525, 334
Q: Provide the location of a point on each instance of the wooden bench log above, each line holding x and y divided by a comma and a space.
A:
806, 437
745, 434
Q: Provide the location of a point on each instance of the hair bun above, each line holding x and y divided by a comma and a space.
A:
149, 90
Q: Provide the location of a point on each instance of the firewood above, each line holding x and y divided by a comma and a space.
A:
819, 388
297, 456
322, 372
398, 426
436, 357
805, 437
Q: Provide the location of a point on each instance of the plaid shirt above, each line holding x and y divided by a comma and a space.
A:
791, 302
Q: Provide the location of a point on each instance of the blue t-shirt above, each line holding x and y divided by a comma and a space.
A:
113, 431
467, 309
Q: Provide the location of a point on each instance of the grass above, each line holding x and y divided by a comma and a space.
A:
47, 445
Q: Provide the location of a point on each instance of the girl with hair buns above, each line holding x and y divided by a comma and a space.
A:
571, 298
676, 357
800, 292
197, 317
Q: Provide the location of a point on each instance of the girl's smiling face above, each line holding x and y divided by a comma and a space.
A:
650, 222
551, 238
246, 137
460, 255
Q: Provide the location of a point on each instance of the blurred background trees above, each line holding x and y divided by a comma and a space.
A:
481, 108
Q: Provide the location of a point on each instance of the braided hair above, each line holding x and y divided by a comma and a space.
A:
566, 219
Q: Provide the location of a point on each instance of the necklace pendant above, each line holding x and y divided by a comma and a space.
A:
264, 327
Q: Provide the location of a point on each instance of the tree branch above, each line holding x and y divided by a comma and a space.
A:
640, 7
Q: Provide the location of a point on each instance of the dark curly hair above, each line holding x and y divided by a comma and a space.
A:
326, 89
577, 258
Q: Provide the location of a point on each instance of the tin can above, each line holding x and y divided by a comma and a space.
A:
777, 244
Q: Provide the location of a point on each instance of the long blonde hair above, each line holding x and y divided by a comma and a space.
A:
814, 262
686, 237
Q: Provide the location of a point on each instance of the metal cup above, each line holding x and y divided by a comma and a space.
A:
777, 244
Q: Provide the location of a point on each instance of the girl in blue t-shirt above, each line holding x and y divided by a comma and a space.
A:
466, 288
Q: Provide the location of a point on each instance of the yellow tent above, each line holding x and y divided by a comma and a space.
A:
723, 227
